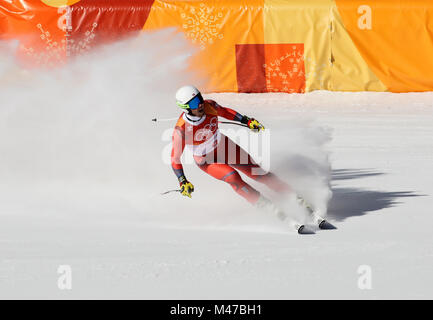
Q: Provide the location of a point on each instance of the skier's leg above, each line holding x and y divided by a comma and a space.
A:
244, 163
269, 179
228, 174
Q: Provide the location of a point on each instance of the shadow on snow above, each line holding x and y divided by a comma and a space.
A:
349, 202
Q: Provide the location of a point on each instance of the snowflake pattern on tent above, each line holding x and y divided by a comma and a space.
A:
201, 25
316, 72
285, 73
54, 52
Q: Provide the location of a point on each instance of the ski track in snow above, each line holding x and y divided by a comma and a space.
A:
80, 186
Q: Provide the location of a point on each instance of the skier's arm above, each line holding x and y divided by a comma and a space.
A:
231, 114
178, 139
227, 113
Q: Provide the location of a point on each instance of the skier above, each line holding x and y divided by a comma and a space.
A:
213, 152
220, 157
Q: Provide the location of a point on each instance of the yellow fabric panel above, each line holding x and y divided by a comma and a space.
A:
59, 3
399, 45
214, 27
307, 22
332, 61
350, 72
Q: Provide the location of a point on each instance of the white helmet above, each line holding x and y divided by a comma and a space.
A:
188, 97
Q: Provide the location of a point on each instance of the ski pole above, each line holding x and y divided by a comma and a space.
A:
170, 191
224, 122
160, 120
235, 123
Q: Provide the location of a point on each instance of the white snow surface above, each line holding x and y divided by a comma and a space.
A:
82, 168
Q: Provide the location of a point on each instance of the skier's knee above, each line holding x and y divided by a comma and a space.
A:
233, 178
273, 182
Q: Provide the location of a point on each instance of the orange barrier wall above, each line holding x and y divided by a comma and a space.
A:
248, 45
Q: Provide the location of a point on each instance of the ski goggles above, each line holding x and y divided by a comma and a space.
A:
193, 103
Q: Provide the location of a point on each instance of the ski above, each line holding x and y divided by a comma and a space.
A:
318, 220
302, 229
322, 223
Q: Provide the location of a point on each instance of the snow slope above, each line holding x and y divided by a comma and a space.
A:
80, 179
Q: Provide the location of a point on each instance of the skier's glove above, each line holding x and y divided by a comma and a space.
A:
252, 123
186, 187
